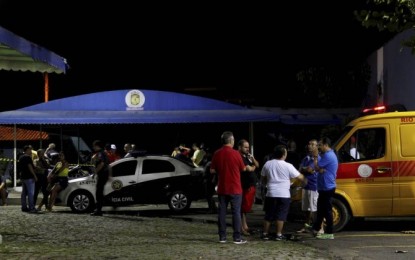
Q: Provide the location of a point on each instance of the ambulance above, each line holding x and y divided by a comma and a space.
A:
376, 174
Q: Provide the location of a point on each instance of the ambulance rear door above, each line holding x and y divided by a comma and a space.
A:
404, 159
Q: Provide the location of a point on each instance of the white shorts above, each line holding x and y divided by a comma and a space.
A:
309, 200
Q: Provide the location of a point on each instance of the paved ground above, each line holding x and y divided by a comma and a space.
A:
146, 232
153, 232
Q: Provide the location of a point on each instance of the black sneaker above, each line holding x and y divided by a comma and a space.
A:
34, 211
239, 241
25, 210
280, 237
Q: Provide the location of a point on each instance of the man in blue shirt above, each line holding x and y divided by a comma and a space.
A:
309, 193
326, 167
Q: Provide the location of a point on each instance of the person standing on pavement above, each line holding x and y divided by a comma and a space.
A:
248, 181
102, 173
42, 169
326, 166
309, 191
29, 178
227, 164
3, 191
276, 174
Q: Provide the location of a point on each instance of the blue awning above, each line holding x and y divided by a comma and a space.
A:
19, 54
134, 107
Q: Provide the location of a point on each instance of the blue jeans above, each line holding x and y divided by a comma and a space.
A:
28, 190
236, 201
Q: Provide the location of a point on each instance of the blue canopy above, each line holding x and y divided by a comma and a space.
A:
134, 107
19, 54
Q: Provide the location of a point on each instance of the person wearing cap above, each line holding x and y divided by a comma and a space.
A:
111, 150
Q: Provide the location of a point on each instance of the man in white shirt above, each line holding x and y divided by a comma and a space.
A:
276, 175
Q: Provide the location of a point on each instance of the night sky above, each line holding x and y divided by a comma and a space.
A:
218, 50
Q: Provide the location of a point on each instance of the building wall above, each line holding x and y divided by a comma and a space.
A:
393, 69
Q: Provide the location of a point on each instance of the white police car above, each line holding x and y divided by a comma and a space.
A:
148, 179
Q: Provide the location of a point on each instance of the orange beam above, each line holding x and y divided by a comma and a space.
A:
46, 79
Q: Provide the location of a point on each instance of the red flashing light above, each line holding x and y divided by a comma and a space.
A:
378, 109
383, 109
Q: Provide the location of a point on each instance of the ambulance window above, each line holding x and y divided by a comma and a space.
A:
372, 143
364, 144
124, 168
407, 140
350, 152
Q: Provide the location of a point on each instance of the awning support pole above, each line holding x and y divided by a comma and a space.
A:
251, 136
46, 79
15, 157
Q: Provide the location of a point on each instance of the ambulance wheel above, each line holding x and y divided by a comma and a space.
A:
341, 215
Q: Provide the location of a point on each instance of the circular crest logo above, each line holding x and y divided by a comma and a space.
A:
364, 170
135, 99
116, 185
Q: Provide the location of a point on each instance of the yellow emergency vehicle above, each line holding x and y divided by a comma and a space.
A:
376, 174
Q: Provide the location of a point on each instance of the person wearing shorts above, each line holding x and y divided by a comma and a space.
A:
276, 175
248, 181
58, 179
309, 192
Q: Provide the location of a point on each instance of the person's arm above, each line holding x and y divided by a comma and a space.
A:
317, 167
99, 167
194, 156
184, 148
55, 170
36, 163
32, 171
306, 170
46, 153
302, 178
253, 160
248, 168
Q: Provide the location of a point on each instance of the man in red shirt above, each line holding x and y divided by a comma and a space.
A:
111, 151
227, 164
